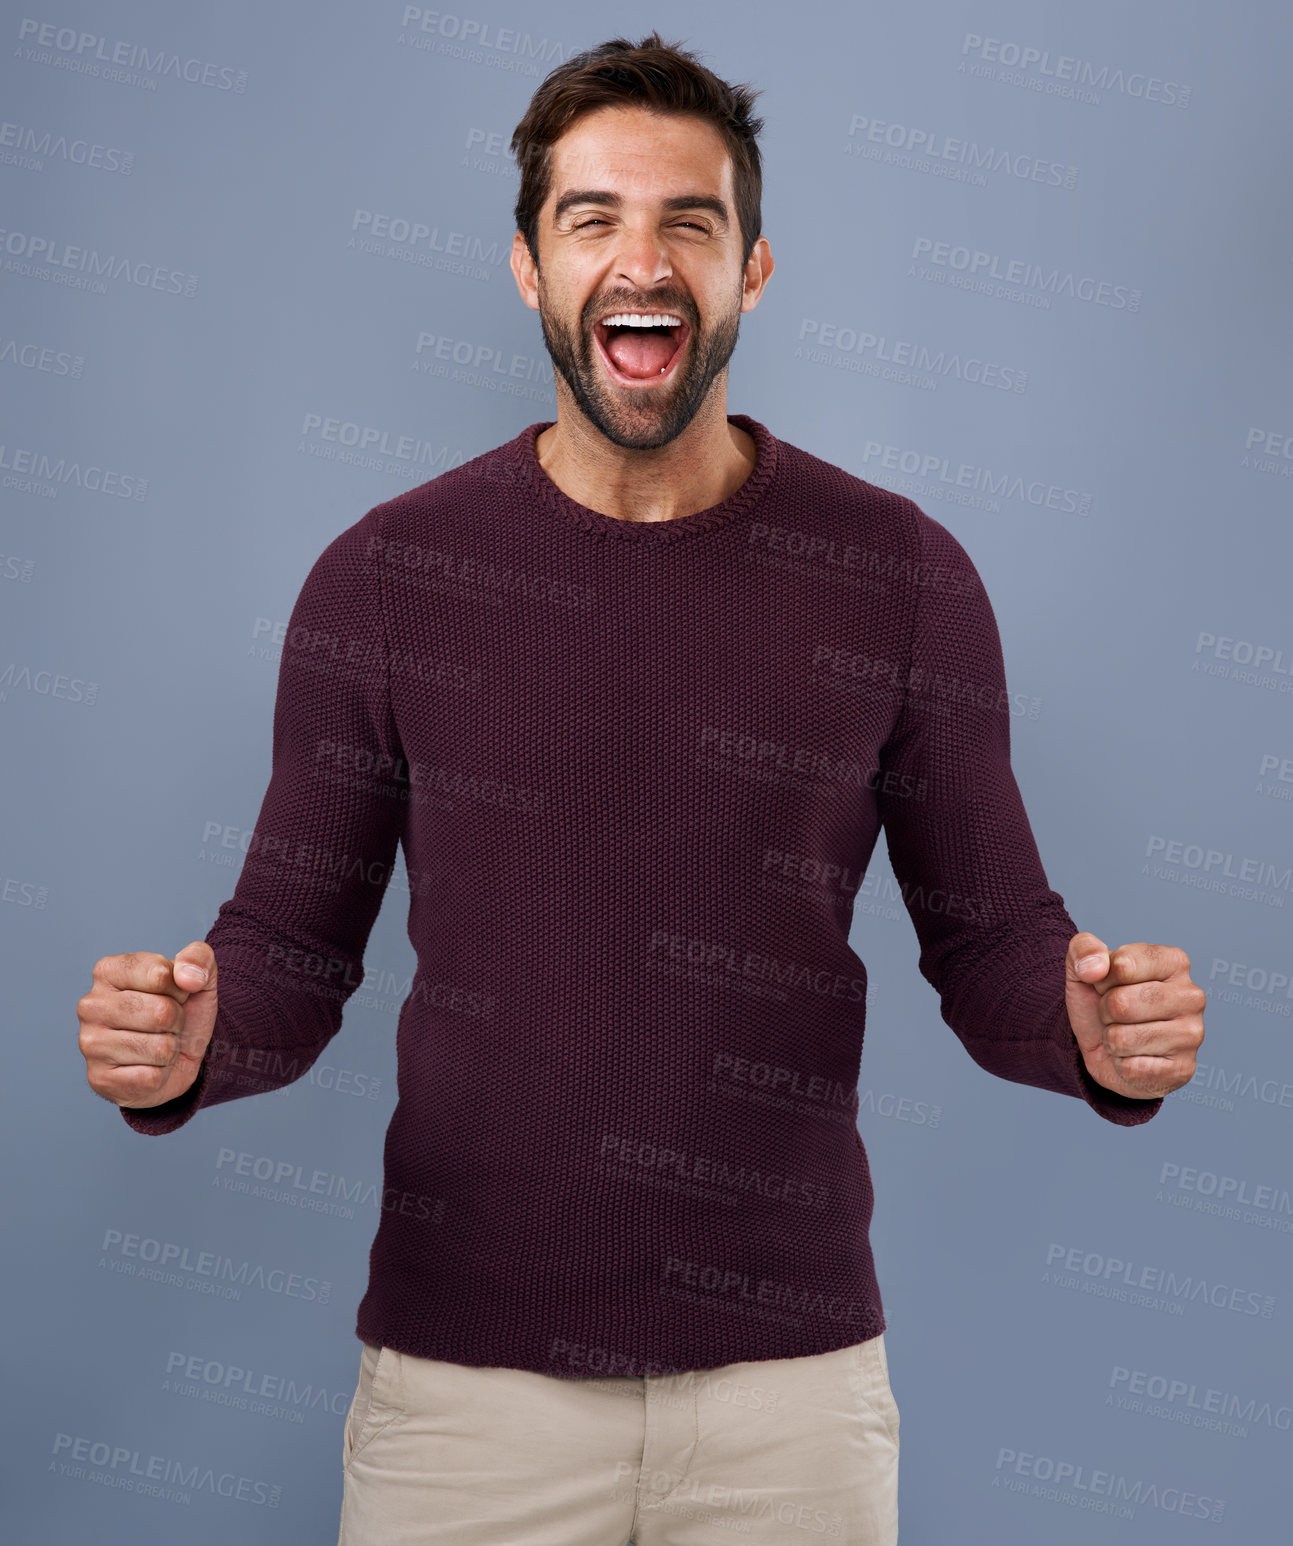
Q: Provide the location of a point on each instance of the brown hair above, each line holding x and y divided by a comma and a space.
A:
653, 74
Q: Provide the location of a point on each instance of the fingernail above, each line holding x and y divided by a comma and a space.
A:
1098, 959
201, 971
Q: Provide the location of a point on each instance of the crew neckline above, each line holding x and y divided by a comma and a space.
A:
713, 518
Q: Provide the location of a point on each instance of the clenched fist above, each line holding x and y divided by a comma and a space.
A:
146, 1022
1139, 1019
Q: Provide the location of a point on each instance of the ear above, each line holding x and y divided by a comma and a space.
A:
757, 272
525, 271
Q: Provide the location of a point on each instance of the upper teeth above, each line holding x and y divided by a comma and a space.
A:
641, 319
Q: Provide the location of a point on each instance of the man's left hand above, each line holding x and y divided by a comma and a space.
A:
1136, 1013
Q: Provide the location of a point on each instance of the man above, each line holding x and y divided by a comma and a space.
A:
638, 742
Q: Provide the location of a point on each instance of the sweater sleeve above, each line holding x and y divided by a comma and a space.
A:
289, 944
993, 935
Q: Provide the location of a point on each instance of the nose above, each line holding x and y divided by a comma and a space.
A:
641, 257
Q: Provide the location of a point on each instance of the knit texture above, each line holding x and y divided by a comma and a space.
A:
638, 770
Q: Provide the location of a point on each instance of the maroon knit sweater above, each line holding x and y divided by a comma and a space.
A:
638, 770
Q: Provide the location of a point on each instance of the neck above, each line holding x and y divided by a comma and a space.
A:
703, 466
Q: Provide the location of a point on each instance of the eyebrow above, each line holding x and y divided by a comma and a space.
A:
680, 201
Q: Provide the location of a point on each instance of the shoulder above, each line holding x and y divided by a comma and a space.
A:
890, 530
467, 490
416, 525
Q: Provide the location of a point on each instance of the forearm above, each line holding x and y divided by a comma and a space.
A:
289, 943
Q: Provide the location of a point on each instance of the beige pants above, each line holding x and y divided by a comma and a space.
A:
787, 1450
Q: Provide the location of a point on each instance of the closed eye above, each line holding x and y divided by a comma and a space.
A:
596, 221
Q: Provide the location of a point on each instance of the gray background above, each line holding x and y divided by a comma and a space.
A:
1147, 637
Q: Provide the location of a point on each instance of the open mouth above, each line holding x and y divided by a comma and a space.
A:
640, 353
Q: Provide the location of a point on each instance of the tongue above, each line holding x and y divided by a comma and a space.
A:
643, 353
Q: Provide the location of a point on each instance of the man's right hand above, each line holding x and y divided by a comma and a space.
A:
146, 1022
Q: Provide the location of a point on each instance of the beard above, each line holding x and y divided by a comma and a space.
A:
645, 419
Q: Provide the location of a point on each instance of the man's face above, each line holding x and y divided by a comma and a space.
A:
640, 218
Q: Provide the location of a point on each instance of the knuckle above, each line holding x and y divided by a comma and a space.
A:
163, 1011
1118, 1038
1120, 1001
127, 1092
148, 1047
